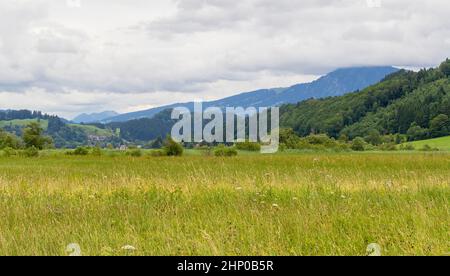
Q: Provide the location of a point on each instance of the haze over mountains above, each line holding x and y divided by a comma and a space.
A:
94, 117
336, 83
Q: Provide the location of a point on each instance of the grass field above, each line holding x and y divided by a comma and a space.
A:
297, 204
23, 123
442, 143
93, 130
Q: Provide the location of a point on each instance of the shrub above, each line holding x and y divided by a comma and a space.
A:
358, 144
343, 147
416, 132
428, 148
225, 152
80, 151
8, 151
321, 142
8, 140
158, 153
156, 144
388, 147
134, 153
407, 147
31, 152
97, 151
248, 146
172, 148
373, 137
320, 139
289, 138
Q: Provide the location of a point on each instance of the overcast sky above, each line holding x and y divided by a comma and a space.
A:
70, 56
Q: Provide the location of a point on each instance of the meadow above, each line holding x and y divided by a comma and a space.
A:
285, 204
442, 143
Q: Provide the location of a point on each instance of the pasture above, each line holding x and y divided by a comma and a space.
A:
287, 204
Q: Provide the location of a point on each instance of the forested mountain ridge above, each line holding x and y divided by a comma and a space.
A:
335, 83
63, 134
405, 102
415, 104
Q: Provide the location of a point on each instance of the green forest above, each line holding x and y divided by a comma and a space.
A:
413, 104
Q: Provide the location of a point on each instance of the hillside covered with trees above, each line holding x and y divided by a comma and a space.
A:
416, 104
13, 123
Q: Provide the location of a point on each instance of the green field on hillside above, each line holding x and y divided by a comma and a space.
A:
288, 204
93, 130
442, 143
23, 123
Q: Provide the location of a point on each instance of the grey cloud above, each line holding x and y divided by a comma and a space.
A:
198, 44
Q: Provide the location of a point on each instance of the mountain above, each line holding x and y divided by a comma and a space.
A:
336, 83
94, 117
410, 103
144, 129
415, 104
65, 134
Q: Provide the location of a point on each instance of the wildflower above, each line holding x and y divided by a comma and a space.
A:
373, 249
128, 248
389, 183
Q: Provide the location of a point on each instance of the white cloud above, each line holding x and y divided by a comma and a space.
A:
130, 54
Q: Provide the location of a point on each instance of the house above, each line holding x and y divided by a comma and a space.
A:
123, 148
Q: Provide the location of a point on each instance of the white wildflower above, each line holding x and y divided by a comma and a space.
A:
128, 248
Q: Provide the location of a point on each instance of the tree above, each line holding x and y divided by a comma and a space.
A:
33, 137
8, 140
157, 144
343, 138
440, 126
358, 144
289, 138
416, 132
445, 67
373, 137
172, 148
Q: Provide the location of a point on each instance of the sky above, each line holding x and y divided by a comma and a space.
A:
67, 57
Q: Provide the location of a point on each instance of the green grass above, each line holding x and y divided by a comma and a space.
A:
93, 130
442, 143
23, 123
289, 204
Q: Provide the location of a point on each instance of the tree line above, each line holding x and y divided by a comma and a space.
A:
414, 104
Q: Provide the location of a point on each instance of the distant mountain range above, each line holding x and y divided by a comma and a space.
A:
94, 117
415, 105
336, 83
